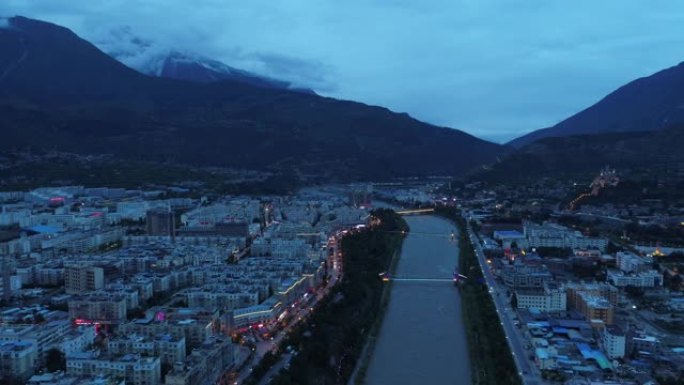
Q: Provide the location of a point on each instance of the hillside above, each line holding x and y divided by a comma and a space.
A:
646, 104
646, 153
59, 92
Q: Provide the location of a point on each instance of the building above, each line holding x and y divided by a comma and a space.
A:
510, 237
518, 276
17, 361
648, 278
645, 345
160, 222
595, 308
42, 336
169, 350
599, 289
221, 297
133, 368
614, 342
554, 235
631, 263
204, 366
545, 358
194, 325
361, 195
265, 312
77, 340
61, 378
587, 253
82, 279
98, 308
550, 298
594, 300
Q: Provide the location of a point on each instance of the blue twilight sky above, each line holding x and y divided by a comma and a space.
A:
494, 68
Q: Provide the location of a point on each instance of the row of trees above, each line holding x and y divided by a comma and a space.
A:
490, 358
331, 342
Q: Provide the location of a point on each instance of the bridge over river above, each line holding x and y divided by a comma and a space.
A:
422, 339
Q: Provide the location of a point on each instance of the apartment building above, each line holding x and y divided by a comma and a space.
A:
101, 308
83, 279
133, 368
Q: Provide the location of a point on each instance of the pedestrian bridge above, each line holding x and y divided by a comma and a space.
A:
416, 211
407, 279
455, 278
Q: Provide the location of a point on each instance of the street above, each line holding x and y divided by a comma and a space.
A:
516, 341
300, 313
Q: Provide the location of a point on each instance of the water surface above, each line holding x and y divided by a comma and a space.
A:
422, 340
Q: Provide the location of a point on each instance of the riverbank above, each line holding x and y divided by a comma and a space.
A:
491, 361
330, 344
359, 375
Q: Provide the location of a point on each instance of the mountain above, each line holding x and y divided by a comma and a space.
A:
181, 66
59, 92
155, 60
650, 103
654, 153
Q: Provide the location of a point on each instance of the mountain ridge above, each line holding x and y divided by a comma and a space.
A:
648, 103
61, 92
635, 152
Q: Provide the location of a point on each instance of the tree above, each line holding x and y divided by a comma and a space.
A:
634, 291
675, 282
612, 248
514, 301
135, 313
55, 360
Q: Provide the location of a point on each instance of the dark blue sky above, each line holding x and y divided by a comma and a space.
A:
494, 68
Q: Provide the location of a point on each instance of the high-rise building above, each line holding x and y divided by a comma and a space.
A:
361, 195
82, 279
160, 222
614, 342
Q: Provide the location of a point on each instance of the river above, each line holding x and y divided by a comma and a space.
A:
422, 339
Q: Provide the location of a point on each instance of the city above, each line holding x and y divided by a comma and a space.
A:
341, 193
209, 291
110, 284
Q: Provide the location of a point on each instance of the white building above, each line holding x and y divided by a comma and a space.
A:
649, 278
43, 336
549, 299
555, 235
630, 263
169, 349
133, 368
61, 378
614, 342
17, 361
77, 340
